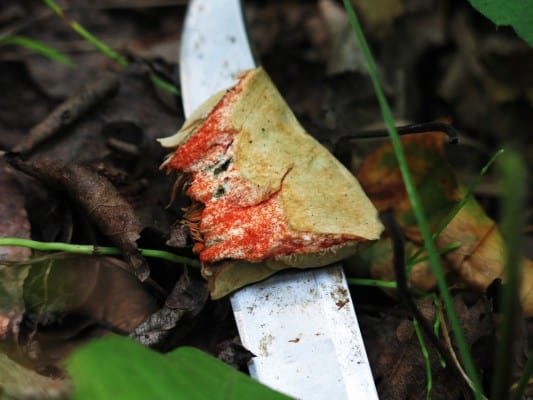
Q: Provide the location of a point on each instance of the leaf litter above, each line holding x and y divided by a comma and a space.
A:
14, 222
114, 142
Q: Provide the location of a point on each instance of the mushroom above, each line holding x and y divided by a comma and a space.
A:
267, 196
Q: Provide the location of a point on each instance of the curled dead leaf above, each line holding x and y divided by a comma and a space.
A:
113, 215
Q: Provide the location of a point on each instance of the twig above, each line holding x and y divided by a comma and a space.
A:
69, 111
425, 127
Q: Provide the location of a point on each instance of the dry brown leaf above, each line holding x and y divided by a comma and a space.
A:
102, 202
186, 300
377, 260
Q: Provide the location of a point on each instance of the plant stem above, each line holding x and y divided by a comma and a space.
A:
372, 282
94, 250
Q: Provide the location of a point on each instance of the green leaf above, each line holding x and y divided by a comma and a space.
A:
516, 13
119, 368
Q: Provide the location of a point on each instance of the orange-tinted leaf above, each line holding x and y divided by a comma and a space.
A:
435, 181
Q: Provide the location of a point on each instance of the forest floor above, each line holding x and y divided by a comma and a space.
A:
438, 61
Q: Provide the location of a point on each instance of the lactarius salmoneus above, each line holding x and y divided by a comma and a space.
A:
267, 196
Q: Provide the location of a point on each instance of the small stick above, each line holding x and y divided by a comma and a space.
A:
69, 111
424, 127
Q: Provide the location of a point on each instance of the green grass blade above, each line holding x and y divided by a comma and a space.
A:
416, 205
437, 325
163, 84
101, 46
84, 33
514, 182
372, 282
425, 354
38, 47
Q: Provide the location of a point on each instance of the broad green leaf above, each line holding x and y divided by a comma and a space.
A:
119, 368
516, 13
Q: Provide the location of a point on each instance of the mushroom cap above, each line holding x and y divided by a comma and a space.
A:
317, 210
